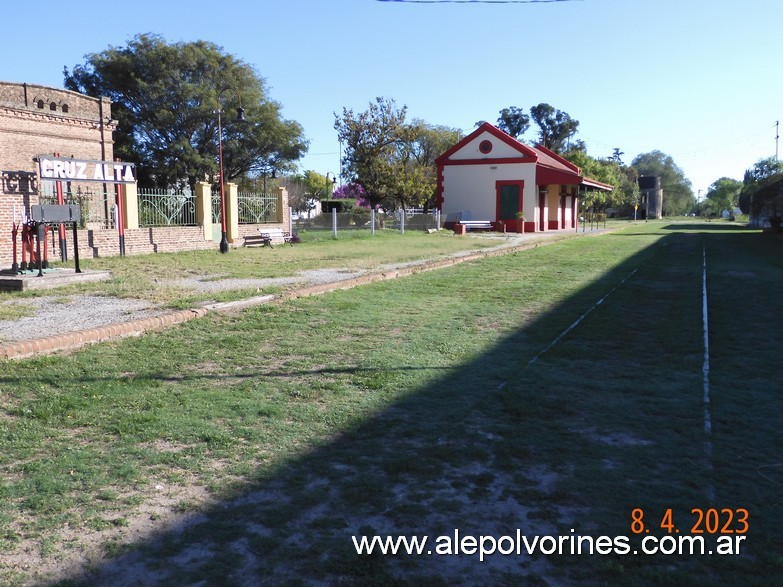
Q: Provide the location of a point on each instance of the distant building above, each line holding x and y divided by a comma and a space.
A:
652, 197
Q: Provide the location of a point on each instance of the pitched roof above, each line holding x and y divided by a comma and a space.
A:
521, 149
551, 168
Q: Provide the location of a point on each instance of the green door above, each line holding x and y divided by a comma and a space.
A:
509, 200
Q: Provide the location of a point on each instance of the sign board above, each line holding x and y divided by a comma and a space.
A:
54, 214
69, 169
18, 182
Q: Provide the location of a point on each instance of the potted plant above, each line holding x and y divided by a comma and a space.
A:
520, 223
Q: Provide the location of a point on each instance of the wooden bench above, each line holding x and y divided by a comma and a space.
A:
476, 224
267, 238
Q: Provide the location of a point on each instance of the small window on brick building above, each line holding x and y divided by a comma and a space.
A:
65, 108
40, 104
53, 106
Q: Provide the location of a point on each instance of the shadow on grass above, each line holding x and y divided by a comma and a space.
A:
610, 419
710, 227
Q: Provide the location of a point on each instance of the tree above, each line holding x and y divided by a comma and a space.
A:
317, 186
555, 127
723, 194
298, 198
165, 97
391, 159
617, 155
760, 174
678, 196
513, 121
374, 140
622, 178
352, 191
418, 178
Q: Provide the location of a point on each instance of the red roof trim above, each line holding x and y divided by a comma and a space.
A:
548, 176
524, 150
488, 161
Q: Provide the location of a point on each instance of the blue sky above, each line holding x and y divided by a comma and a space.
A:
696, 79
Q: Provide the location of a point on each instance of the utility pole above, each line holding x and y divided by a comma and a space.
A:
777, 136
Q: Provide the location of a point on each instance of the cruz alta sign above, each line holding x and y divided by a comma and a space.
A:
69, 169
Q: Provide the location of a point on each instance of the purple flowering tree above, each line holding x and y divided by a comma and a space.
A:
352, 191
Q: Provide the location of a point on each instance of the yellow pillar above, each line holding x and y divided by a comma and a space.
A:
204, 208
232, 212
282, 206
130, 213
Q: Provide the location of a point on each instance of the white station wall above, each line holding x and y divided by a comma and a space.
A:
471, 188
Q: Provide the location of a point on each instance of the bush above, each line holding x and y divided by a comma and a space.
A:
342, 205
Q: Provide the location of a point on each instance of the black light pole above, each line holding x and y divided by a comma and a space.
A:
240, 117
334, 183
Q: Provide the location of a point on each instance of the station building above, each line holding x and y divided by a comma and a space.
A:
490, 176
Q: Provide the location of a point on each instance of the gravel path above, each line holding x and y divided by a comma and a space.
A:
59, 314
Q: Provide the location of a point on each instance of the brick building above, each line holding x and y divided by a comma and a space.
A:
38, 120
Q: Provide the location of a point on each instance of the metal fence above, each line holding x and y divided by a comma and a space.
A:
97, 207
166, 208
362, 219
256, 208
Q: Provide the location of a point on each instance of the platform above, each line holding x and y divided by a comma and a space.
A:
51, 278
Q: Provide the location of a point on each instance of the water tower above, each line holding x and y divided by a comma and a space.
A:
652, 196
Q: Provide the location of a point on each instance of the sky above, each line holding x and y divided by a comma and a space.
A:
696, 79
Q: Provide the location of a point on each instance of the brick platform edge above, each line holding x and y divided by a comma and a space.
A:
74, 340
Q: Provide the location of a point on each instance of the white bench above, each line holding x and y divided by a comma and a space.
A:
476, 224
267, 238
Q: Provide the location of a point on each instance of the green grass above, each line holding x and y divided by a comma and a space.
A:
15, 311
409, 407
155, 277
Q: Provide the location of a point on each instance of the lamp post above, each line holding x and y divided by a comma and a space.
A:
334, 182
240, 117
272, 175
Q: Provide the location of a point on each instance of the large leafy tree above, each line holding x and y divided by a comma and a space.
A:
513, 121
318, 186
555, 127
678, 196
372, 140
762, 172
166, 97
723, 194
611, 171
393, 160
418, 180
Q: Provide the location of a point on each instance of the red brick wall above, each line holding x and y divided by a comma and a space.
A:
78, 125
105, 243
141, 241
